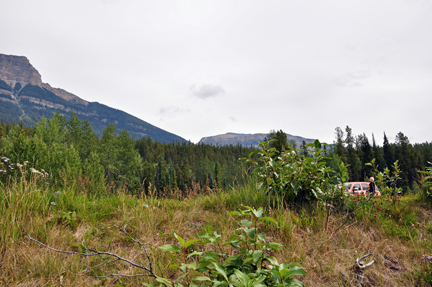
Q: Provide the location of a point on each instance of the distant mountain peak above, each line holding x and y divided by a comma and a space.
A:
24, 97
246, 139
16, 69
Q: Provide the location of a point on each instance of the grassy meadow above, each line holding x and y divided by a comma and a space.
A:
398, 231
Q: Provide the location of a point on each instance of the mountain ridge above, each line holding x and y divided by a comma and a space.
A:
246, 139
25, 97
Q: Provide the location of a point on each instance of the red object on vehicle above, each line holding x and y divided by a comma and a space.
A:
359, 188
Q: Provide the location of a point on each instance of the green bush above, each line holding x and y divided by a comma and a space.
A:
426, 184
249, 266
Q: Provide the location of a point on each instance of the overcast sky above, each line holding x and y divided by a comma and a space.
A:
202, 68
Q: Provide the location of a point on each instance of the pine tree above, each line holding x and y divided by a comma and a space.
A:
388, 153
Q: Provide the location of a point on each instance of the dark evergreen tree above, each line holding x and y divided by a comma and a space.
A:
278, 140
388, 153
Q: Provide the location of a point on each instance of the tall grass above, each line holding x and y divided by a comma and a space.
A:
64, 218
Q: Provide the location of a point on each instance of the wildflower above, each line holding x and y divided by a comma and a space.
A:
406, 201
400, 220
25, 163
57, 193
346, 214
375, 215
53, 203
354, 200
390, 216
418, 223
426, 258
19, 165
412, 225
145, 205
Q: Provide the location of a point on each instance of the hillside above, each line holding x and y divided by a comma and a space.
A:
25, 97
246, 139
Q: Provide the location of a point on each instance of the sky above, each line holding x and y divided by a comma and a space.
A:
200, 68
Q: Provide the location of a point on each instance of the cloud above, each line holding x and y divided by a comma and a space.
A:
206, 91
352, 79
234, 119
171, 112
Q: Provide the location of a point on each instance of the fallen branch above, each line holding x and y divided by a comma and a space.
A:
114, 258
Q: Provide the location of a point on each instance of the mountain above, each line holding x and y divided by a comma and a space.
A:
246, 139
23, 96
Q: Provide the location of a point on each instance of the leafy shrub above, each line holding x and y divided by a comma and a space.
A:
249, 266
426, 184
292, 176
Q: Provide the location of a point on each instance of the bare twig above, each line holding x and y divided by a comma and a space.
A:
94, 252
360, 204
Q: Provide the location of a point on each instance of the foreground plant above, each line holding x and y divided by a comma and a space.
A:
426, 183
243, 259
290, 175
249, 264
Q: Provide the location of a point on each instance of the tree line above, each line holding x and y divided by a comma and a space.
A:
68, 150
356, 151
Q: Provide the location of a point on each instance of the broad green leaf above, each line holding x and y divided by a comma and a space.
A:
261, 236
173, 266
205, 235
271, 259
258, 213
234, 244
246, 223
219, 268
242, 277
296, 272
250, 232
181, 240
190, 265
202, 278
257, 254
234, 213
269, 219
190, 242
171, 247
163, 281
180, 277
195, 253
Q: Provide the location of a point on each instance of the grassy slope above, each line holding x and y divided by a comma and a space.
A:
76, 216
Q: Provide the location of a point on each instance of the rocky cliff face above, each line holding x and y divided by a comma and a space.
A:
15, 69
24, 97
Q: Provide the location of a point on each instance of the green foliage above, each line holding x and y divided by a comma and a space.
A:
249, 266
4, 86
386, 180
69, 150
292, 176
426, 183
17, 88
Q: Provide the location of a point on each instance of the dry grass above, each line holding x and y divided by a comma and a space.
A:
327, 256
